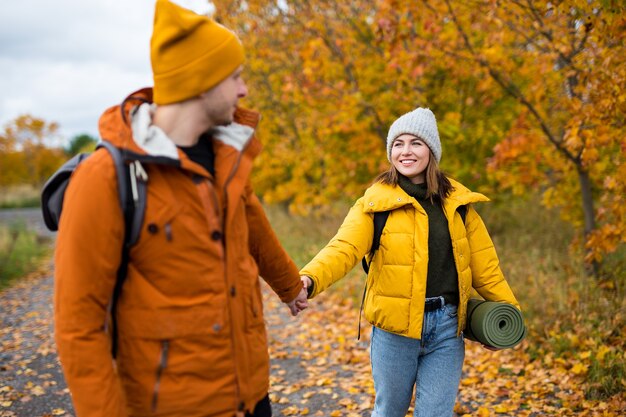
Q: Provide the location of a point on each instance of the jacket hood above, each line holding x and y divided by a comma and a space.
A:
129, 127
384, 197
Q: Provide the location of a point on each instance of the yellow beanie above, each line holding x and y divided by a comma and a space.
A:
190, 53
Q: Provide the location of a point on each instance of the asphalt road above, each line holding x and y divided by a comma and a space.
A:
32, 217
32, 383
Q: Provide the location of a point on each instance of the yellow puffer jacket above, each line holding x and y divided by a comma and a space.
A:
396, 284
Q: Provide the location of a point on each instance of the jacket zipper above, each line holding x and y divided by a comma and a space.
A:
165, 347
231, 292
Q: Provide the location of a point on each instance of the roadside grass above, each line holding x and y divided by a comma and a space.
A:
21, 252
19, 196
302, 237
571, 317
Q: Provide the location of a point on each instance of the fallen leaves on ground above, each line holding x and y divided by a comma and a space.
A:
31, 383
319, 367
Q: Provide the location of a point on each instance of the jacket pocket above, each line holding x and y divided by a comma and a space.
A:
389, 313
255, 310
165, 347
165, 352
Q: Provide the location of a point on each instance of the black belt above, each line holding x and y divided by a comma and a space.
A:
434, 304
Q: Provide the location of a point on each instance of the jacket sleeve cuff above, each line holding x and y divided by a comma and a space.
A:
310, 289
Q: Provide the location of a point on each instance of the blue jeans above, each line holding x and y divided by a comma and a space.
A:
433, 365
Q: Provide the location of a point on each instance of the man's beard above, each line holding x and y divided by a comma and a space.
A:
225, 120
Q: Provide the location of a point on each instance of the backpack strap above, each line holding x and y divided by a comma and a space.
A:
131, 181
380, 219
463, 212
138, 181
126, 203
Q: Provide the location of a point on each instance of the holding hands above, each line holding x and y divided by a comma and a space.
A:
300, 302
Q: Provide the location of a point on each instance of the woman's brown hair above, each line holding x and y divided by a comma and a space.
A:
438, 185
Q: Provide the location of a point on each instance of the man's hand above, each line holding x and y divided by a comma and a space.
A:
299, 303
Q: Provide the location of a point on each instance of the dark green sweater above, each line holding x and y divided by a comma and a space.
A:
442, 279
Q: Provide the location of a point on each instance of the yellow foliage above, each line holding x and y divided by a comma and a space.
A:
483, 412
517, 109
602, 352
579, 369
25, 156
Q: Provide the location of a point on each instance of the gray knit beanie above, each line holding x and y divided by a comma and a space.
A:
420, 122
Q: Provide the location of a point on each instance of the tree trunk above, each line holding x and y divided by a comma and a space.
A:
588, 211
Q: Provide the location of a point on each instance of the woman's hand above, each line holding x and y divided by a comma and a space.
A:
306, 281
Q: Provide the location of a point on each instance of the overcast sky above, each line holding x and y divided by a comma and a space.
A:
67, 60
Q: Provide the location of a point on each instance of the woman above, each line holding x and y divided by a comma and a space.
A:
420, 279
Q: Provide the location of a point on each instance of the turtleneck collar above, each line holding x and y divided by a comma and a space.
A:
417, 191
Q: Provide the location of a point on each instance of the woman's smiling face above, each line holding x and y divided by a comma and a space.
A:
410, 155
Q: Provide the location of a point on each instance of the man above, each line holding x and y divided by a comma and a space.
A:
191, 335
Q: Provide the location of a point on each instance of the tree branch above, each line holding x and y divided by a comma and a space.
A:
510, 88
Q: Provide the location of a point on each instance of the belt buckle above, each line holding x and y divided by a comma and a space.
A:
434, 304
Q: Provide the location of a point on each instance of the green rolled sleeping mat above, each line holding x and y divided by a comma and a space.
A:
496, 324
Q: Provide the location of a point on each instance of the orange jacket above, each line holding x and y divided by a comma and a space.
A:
192, 339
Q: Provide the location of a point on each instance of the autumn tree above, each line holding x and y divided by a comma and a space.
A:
565, 64
12, 161
324, 113
535, 88
328, 86
25, 157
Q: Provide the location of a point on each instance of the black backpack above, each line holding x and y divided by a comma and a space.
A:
380, 219
131, 184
